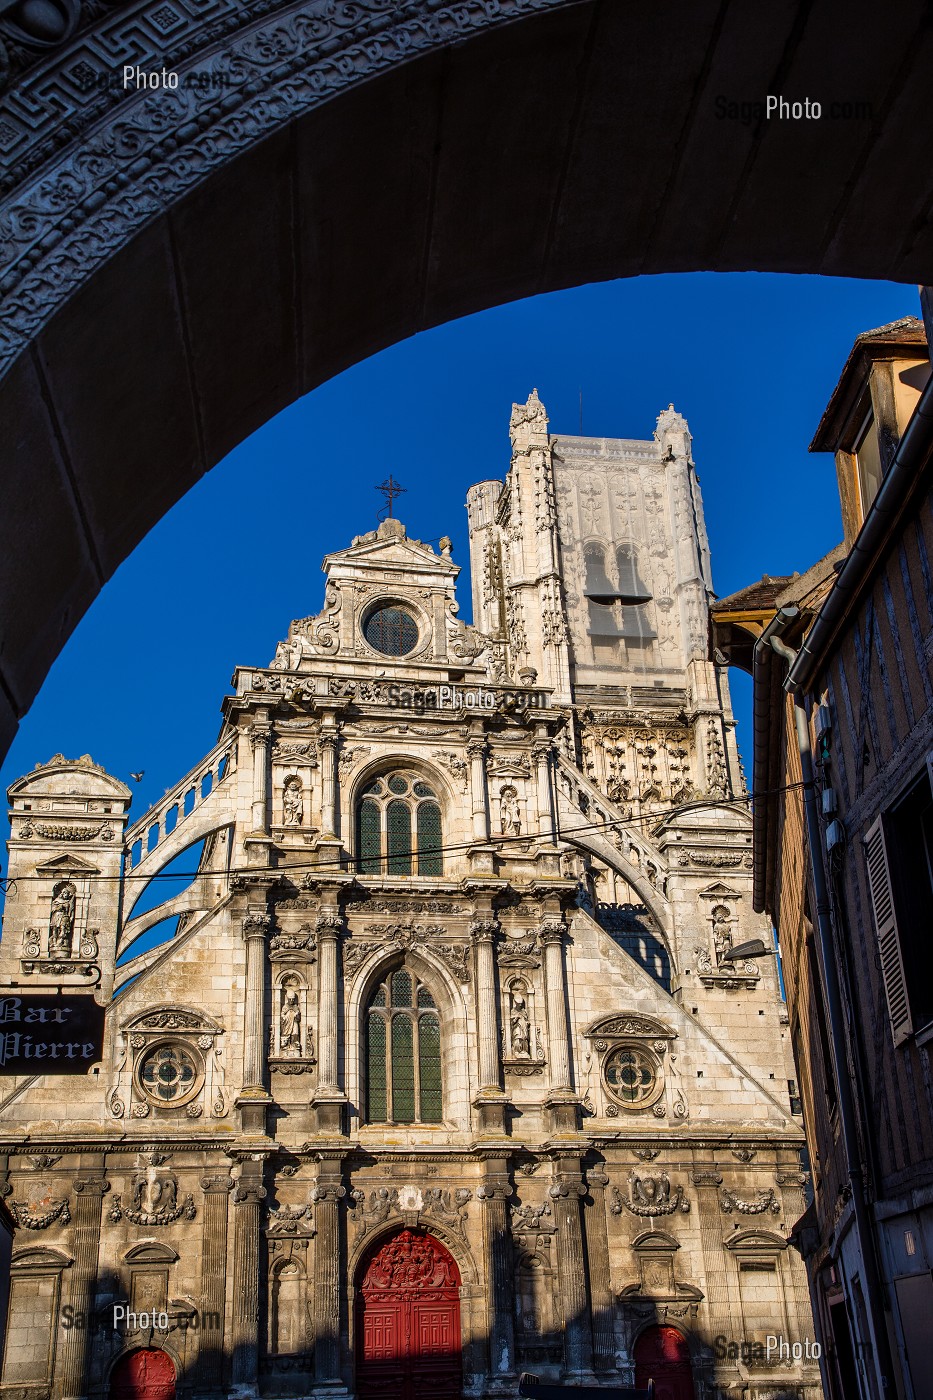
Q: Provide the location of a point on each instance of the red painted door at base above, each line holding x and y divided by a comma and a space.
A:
147, 1374
408, 1322
662, 1355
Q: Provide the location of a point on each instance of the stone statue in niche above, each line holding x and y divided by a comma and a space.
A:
290, 1023
509, 812
293, 802
722, 936
519, 1025
62, 919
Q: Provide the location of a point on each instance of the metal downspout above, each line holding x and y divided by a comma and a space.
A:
847, 1115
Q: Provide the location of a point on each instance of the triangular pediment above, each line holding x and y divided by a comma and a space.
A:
67, 862
720, 891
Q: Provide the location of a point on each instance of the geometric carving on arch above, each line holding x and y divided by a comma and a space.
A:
630, 1023
40, 1257
150, 1252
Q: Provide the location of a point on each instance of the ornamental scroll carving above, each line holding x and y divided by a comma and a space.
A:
411, 1261
648, 1196
413, 1203
357, 951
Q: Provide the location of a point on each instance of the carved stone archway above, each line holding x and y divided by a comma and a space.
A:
329, 178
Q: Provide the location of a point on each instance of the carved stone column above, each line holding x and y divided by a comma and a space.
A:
476, 750
329, 1097
541, 753
213, 1279
253, 1097
258, 842
327, 1195
499, 1271
328, 750
82, 1280
247, 1199
484, 931
597, 1253
718, 1301
490, 1100
566, 1193
561, 1099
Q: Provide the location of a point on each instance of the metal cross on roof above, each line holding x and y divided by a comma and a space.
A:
390, 489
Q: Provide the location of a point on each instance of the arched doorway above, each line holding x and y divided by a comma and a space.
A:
408, 1320
146, 1374
662, 1355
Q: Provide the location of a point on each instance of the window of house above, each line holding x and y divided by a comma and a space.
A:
868, 457
899, 861
403, 1053
398, 827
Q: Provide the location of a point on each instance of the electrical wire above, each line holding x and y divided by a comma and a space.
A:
623, 824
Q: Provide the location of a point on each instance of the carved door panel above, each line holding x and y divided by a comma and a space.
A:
147, 1374
408, 1321
662, 1355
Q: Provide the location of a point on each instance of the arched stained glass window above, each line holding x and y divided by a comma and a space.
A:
429, 838
398, 838
370, 823
403, 1053
398, 827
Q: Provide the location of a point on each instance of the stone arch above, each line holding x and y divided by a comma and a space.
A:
449, 997
132, 208
455, 1244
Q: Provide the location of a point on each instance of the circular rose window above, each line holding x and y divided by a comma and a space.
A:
631, 1076
391, 630
169, 1074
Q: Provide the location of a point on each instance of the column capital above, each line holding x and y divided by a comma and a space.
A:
551, 930
327, 739
485, 929
91, 1186
328, 1193
216, 1185
558, 1189
248, 1193
477, 747
596, 1176
256, 925
329, 923
500, 1191
706, 1178
259, 733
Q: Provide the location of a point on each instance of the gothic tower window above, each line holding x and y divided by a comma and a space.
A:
398, 827
403, 1053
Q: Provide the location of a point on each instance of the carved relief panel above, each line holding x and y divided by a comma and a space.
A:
168, 1062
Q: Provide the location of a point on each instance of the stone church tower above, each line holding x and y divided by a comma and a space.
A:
446, 1071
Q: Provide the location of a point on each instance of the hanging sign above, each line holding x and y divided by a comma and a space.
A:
50, 1034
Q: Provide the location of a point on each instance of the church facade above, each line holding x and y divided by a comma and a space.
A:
446, 1072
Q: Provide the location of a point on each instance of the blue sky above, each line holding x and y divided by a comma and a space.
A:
750, 360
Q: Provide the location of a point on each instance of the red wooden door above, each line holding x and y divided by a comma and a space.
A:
662, 1355
408, 1321
148, 1374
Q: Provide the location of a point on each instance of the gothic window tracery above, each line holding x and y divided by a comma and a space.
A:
403, 1053
632, 1076
398, 827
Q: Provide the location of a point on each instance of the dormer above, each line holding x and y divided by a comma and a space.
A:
868, 411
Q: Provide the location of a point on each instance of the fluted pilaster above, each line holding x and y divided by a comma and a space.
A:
476, 751
499, 1270
597, 1253
484, 931
327, 1196
566, 1194
214, 1217
82, 1281
551, 934
248, 1196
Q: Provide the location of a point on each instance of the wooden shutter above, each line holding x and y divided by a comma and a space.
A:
889, 947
